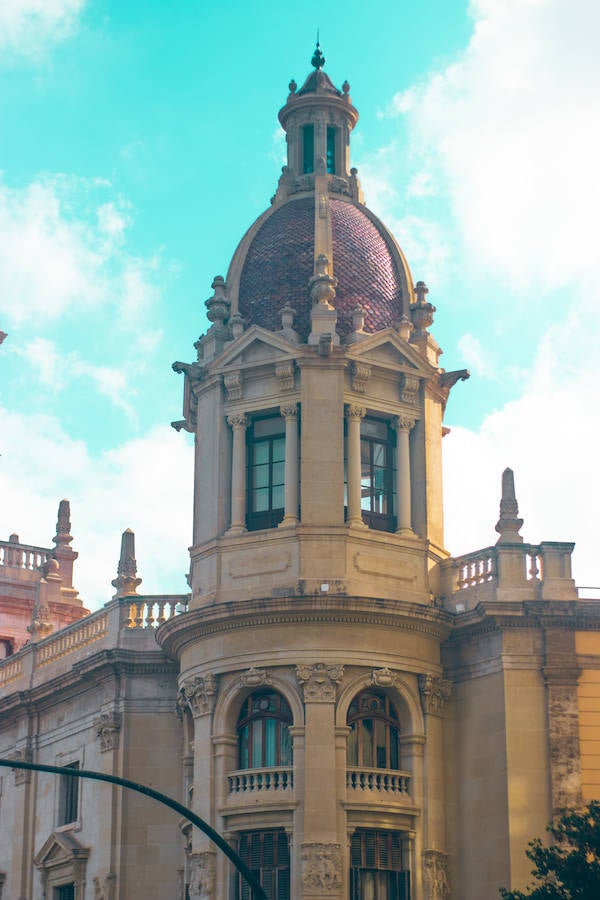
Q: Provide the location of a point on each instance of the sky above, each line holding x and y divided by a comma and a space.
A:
138, 142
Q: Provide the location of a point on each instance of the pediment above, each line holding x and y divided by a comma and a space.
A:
59, 848
387, 349
256, 346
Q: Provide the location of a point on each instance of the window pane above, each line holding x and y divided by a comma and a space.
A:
257, 744
353, 747
260, 501
374, 428
378, 454
265, 427
278, 449
286, 746
278, 497
380, 753
330, 149
261, 453
270, 726
260, 476
309, 147
244, 761
367, 742
394, 749
278, 473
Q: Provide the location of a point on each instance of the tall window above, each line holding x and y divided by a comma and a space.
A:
266, 473
331, 142
377, 474
267, 855
263, 731
308, 149
379, 866
374, 739
68, 800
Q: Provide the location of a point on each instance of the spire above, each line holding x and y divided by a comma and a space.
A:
318, 60
508, 524
126, 581
63, 525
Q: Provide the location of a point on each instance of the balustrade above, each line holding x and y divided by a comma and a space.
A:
23, 556
271, 780
476, 568
88, 630
150, 612
384, 781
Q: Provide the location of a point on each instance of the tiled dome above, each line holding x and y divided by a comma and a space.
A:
279, 264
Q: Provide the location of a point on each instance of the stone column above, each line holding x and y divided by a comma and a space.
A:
354, 416
238, 423
561, 674
434, 693
403, 426
290, 414
321, 848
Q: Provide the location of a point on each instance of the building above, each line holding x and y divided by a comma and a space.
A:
361, 714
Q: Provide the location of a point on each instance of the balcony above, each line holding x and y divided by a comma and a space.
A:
261, 781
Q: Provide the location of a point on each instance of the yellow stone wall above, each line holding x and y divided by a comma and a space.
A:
587, 644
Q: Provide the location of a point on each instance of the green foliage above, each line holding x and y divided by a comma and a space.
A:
570, 868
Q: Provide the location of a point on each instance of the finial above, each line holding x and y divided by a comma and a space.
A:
345, 88
126, 581
293, 87
318, 60
508, 524
63, 524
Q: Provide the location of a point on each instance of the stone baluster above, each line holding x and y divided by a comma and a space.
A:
354, 415
238, 424
290, 414
403, 426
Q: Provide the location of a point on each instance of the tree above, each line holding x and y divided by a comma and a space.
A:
570, 868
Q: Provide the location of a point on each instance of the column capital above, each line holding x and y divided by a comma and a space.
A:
403, 423
238, 420
199, 693
353, 411
289, 411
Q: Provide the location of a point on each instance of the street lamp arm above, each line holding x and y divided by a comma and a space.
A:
257, 891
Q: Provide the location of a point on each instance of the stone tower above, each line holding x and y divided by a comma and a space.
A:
310, 654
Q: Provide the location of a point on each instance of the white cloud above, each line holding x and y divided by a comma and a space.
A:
515, 126
26, 26
144, 484
62, 249
512, 130
476, 356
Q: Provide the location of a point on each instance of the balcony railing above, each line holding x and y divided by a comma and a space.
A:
255, 781
386, 782
23, 556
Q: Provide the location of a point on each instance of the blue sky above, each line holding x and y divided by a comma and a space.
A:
140, 140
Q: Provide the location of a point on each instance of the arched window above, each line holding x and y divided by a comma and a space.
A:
374, 739
263, 731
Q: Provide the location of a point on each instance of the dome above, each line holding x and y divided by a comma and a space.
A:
277, 261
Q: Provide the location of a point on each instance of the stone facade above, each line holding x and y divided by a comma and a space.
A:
344, 701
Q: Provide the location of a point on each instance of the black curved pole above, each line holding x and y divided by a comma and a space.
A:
257, 890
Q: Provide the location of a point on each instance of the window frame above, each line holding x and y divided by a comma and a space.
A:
280, 869
253, 720
376, 520
390, 882
357, 723
273, 515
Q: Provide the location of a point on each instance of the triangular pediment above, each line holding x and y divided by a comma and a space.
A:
389, 350
254, 347
60, 847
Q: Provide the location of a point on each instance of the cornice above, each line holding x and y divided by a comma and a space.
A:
173, 636
499, 615
98, 666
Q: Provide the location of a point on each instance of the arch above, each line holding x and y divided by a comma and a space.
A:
263, 725
230, 700
401, 693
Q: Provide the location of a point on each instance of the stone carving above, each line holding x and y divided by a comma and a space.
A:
239, 420
360, 374
254, 677
104, 887
127, 581
434, 693
202, 875
321, 867
409, 389
509, 523
355, 412
563, 724
290, 411
233, 385
319, 681
383, 678
23, 754
403, 423
435, 876
107, 727
285, 376
199, 693
339, 185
